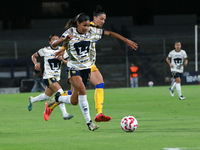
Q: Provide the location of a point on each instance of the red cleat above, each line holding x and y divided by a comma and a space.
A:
102, 118
47, 112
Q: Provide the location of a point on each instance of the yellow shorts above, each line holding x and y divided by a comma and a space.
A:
94, 68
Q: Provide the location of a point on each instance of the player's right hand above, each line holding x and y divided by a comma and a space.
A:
37, 67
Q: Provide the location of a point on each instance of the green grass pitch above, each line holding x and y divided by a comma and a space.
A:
164, 122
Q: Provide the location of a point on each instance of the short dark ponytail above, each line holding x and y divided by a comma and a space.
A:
80, 18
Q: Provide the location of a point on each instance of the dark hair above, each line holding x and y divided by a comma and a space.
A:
98, 11
177, 42
50, 36
80, 18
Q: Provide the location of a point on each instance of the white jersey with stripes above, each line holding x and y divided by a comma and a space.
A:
81, 48
52, 65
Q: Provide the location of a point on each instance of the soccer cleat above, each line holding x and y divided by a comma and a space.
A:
30, 105
171, 92
68, 117
47, 112
92, 126
102, 118
54, 100
182, 98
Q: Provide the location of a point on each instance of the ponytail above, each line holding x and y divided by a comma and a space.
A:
98, 11
80, 18
70, 23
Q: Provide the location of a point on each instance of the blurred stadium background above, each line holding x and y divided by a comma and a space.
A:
154, 25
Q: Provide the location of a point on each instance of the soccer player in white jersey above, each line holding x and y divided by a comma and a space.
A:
81, 38
52, 70
178, 60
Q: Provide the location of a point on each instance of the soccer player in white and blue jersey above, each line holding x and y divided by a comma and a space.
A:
178, 61
80, 39
51, 76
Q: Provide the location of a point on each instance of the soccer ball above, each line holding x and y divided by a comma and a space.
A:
150, 83
129, 123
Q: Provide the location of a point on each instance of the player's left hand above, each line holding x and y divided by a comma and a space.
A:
60, 58
68, 38
132, 44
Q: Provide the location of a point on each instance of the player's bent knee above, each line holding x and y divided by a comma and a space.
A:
82, 91
74, 103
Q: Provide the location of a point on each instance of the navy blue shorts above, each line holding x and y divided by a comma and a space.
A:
84, 74
49, 81
176, 75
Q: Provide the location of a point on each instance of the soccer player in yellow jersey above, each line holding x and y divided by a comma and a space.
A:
99, 18
96, 78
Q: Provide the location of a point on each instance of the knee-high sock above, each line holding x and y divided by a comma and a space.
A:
173, 86
99, 97
41, 97
178, 88
65, 99
63, 109
62, 105
83, 103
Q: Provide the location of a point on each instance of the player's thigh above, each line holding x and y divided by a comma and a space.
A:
76, 82
48, 92
52, 83
55, 87
177, 77
178, 80
96, 77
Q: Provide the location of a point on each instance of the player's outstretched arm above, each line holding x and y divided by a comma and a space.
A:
65, 42
130, 43
62, 39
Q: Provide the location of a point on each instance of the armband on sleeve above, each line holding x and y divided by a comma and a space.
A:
63, 48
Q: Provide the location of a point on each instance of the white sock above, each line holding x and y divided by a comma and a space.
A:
65, 99
63, 109
83, 103
173, 86
41, 97
60, 90
178, 88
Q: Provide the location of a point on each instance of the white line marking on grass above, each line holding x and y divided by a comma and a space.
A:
181, 148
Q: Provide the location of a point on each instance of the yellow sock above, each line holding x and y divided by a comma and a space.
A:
99, 98
53, 106
65, 93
